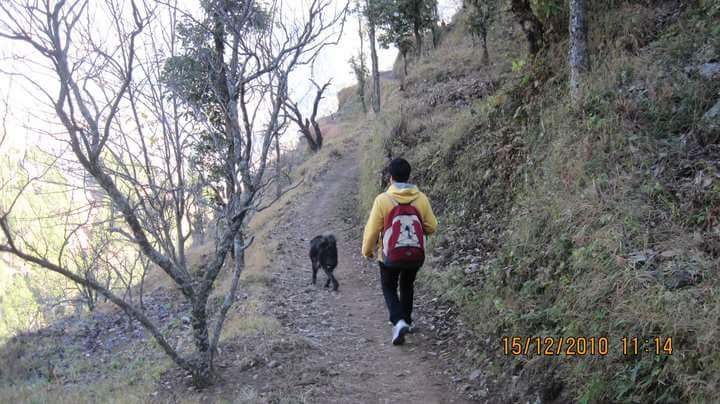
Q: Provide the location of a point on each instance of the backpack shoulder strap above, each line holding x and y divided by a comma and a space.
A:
394, 202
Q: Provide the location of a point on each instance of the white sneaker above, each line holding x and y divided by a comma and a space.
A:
399, 330
411, 327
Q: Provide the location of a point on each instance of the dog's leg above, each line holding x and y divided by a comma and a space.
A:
315, 268
335, 282
330, 278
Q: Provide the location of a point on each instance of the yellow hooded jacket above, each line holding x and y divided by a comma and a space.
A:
402, 193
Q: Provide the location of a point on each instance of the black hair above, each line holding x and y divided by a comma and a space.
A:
399, 169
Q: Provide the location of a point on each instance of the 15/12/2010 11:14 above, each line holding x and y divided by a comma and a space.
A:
638, 345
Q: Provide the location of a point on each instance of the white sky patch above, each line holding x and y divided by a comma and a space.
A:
333, 62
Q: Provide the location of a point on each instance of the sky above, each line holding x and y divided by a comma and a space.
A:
332, 63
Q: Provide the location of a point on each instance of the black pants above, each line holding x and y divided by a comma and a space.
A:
399, 306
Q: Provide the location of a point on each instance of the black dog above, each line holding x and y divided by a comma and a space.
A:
323, 253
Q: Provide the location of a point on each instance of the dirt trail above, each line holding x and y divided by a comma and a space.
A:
353, 360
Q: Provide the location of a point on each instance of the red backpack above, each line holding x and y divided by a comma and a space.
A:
403, 241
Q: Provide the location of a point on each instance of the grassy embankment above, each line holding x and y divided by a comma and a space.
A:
595, 219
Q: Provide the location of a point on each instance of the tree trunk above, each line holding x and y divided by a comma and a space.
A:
278, 184
361, 94
307, 133
198, 235
578, 59
361, 76
201, 372
375, 69
145, 267
198, 227
405, 71
529, 23
486, 54
418, 38
202, 362
230, 296
404, 56
434, 28
312, 145
318, 134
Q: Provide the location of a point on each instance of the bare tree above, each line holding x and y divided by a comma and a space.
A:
309, 127
372, 13
357, 64
103, 92
579, 60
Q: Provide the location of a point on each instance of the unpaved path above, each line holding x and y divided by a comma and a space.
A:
353, 360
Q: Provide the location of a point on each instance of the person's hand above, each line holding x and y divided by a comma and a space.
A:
368, 261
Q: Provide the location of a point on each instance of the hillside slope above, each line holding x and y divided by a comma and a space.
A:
596, 221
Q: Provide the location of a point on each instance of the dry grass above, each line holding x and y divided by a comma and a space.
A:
250, 322
101, 392
34, 373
